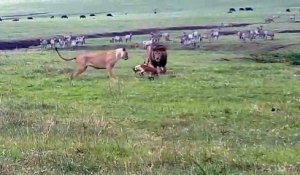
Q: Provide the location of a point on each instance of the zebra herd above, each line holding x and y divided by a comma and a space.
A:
155, 37
63, 42
187, 39
191, 39
118, 39
259, 32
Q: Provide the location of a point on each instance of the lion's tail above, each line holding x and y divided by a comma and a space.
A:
63, 57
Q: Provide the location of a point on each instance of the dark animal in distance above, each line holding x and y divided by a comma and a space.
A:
82, 16
51, 17
0, 19
92, 14
30, 18
232, 9
288, 10
249, 9
64, 16
241, 9
16, 19
109, 14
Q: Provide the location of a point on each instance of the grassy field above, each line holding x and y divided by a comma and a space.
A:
206, 116
140, 15
12, 7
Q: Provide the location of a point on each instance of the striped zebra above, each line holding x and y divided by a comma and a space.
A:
43, 43
128, 38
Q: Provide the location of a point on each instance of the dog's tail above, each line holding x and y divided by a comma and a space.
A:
63, 57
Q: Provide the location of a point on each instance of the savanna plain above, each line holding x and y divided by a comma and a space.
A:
224, 107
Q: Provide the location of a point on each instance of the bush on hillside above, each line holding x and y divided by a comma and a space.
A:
292, 58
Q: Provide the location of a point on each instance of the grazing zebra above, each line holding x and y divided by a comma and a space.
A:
128, 38
264, 34
269, 20
196, 35
188, 42
293, 18
52, 43
166, 35
43, 43
190, 36
257, 33
117, 39
155, 37
147, 43
207, 36
61, 42
68, 40
112, 40
73, 43
247, 35
244, 35
215, 34
268, 33
183, 38
80, 40
239, 34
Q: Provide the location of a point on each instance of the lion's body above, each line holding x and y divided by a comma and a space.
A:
98, 60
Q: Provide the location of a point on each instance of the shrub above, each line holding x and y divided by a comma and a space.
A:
292, 58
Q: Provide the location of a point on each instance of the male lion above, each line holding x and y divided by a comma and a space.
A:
156, 56
98, 60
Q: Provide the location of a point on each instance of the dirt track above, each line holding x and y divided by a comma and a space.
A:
26, 43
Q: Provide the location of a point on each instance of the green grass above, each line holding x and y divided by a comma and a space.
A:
204, 116
171, 13
137, 6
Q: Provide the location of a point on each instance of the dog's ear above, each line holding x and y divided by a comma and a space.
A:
124, 49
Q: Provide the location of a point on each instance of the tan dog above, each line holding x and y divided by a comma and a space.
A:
98, 60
